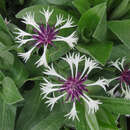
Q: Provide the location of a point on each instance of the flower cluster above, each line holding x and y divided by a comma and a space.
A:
123, 79
44, 35
73, 88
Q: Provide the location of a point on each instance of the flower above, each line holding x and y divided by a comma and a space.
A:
44, 35
73, 88
123, 79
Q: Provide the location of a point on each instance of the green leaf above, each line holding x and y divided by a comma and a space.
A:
9, 91
6, 60
115, 105
106, 119
59, 2
120, 10
34, 109
120, 51
91, 119
82, 124
5, 38
123, 122
98, 50
81, 5
3, 26
7, 116
122, 30
18, 72
54, 120
94, 27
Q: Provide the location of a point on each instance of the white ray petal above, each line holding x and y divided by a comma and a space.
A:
73, 113
27, 55
49, 84
52, 72
126, 91
69, 59
51, 101
60, 20
47, 90
89, 66
29, 20
68, 24
116, 64
111, 91
42, 60
93, 105
71, 40
47, 14
100, 82
21, 33
23, 41
77, 59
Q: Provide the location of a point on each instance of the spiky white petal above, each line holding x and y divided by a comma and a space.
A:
93, 105
23, 41
122, 62
69, 59
47, 14
47, 90
100, 82
68, 24
60, 20
52, 72
71, 40
49, 84
51, 101
29, 19
89, 65
21, 33
73, 113
42, 60
27, 55
111, 91
76, 60
116, 64
126, 91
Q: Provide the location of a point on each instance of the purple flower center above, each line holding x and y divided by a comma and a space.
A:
74, 87
46, 35
125, 76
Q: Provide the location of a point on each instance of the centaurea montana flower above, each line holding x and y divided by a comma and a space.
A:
123, 79
44, 35
73, 88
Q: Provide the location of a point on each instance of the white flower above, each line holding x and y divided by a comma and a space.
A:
45, 34
123, 80
73, 87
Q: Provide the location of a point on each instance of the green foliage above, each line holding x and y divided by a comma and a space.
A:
103, 28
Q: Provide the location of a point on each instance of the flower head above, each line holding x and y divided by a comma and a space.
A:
73, 88
123, 79
44, 35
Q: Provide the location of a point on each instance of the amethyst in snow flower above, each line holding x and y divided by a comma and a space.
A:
123, 79
73, 88
44, 35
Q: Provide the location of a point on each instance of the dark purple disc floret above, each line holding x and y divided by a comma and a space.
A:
125, 76
74, 87
46, 35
